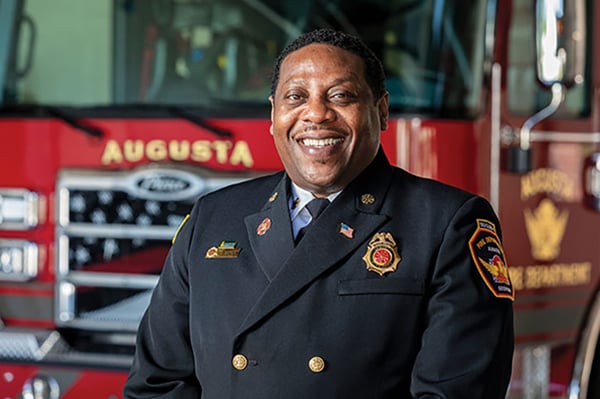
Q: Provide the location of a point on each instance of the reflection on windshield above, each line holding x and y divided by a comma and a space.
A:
209, 53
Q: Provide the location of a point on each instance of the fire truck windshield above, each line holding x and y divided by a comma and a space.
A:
218, 54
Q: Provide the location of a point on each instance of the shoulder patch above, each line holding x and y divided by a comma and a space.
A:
489, 259
185, 219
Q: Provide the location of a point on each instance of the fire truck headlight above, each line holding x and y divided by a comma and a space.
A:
19, 209
18, 260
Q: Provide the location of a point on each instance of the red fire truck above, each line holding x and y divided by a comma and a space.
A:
115, 115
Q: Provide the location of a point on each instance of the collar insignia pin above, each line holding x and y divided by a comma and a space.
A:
367, 199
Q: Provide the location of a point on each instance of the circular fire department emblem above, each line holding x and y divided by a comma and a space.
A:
382, 254
263, 227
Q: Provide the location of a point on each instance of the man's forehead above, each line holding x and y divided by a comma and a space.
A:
322, 55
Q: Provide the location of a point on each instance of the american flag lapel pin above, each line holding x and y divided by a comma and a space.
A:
346, 230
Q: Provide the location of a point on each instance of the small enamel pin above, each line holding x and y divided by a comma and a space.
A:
227, 249
263, 227
346, 230
382, 254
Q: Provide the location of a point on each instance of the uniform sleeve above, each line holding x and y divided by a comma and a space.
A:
163, 365
467, 344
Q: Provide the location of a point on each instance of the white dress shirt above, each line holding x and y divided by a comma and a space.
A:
297, 205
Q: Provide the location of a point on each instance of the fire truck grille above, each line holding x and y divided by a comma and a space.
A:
113, 233
118, 207
90, 253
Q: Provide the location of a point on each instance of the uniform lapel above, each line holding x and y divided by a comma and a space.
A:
324, 245
270, 232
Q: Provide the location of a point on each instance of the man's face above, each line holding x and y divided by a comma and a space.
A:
325, 122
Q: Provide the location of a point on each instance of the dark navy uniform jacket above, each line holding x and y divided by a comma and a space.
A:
241, 312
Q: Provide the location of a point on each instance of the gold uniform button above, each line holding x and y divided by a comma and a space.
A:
239, 362
316, 364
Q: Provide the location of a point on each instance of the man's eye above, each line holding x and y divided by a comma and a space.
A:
293, 97
342, 96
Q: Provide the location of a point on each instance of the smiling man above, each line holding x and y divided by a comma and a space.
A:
326, 118
340, 277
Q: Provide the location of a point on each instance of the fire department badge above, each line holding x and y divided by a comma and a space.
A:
489, 258
382, 254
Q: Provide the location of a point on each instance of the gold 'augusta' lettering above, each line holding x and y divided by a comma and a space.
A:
133, 150
241, 155
547, 181
156, 150
221, 151
221, 147
179, 150
201, 151
112, 153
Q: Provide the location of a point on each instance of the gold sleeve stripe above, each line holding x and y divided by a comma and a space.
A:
185, 219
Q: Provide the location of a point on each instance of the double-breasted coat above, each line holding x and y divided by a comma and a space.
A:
399, 290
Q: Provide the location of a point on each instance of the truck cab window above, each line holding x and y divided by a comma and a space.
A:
220, 53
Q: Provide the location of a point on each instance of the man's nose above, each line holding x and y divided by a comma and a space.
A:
318, 110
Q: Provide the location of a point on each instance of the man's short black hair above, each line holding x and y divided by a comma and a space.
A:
374, 74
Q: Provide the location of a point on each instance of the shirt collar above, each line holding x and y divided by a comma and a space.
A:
300, 197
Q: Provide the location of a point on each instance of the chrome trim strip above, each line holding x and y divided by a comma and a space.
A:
495, 137
120, 231
565, 137
114, 280
584, 358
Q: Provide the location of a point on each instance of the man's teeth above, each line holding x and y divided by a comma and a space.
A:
321, 142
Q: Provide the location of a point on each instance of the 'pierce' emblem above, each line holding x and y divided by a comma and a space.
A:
263, 227
382, 254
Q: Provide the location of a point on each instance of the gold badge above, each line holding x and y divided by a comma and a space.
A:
227, 249
382, 254
273, 197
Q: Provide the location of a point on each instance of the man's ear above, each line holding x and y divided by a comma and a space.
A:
384, 112
272, 107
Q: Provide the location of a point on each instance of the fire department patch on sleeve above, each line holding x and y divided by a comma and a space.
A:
489, 258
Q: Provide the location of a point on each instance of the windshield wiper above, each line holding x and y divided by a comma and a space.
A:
188, 116
27, 110
131, 111
72, 121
